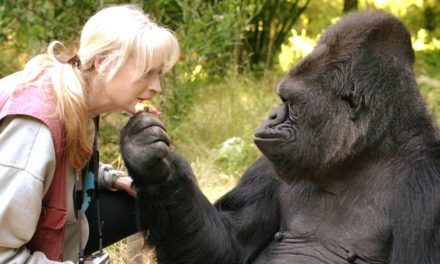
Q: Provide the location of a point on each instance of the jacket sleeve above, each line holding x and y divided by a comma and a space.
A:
27, 165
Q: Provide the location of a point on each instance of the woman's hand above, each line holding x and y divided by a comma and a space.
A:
124, 183
114, 179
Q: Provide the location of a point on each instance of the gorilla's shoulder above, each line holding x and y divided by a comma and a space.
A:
258, 183
261, 170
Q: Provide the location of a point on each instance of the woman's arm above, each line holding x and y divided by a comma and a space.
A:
27, 165
114, 179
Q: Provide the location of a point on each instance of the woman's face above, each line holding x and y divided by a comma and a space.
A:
123, 91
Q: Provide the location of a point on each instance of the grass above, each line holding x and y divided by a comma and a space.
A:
217, 135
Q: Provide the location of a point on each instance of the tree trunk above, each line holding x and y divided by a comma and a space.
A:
350, 5
270, 28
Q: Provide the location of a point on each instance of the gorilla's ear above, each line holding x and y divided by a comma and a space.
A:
354, 100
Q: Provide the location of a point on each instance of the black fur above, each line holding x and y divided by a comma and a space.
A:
350, 172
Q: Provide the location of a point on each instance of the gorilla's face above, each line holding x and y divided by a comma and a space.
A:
318, 123
349, 100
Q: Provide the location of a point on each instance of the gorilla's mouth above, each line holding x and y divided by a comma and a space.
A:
280, 126
271, 140
283, 131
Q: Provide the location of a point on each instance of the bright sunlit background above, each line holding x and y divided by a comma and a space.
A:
233, 54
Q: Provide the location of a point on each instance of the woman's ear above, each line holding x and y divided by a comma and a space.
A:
97, 64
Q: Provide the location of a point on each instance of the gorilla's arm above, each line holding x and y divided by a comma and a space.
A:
180, 222
416, 216
183, 225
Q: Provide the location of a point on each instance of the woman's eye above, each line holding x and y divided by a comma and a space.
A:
151, 73
147, 75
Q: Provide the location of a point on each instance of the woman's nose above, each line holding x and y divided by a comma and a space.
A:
155, 85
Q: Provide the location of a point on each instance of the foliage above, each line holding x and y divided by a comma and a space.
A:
427, 69
206, 30
317, 16
233, 153
27, 26
269, 28
241, 34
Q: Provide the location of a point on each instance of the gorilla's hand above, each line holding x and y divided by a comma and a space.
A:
144, 148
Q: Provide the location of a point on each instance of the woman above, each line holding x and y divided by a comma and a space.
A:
47, 132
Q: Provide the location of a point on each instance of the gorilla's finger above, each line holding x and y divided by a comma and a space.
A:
158, 149
145, 154
141, 121
157, 172
144, 147
153, 134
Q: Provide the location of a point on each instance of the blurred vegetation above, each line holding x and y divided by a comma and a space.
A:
233, 54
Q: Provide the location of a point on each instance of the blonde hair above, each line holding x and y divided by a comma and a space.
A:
111, 36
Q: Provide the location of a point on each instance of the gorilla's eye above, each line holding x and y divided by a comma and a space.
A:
283, 100
292, 112
352, 99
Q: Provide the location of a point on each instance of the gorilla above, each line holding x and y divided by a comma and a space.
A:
349, 172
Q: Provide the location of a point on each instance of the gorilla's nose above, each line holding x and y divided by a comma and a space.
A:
278, 116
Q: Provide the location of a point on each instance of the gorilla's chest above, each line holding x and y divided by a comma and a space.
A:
318, 227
